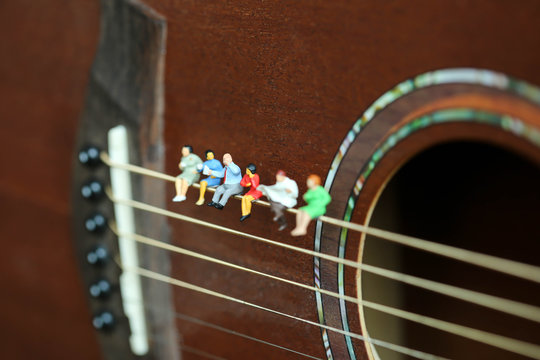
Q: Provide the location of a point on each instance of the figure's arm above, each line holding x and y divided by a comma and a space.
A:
255, 181
292, 189
308, 196
327, 198
201, 166
245, 181
187, 162
211, 166
262, 188
218, 173
233, 168
196, 163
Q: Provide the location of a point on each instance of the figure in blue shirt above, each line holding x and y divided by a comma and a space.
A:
231, 175
210, 164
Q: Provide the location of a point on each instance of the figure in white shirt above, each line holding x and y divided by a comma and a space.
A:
282, 195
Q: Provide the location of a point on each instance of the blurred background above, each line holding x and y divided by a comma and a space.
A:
46, 51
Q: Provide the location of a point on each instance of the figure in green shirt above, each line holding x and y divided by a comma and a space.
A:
317, 198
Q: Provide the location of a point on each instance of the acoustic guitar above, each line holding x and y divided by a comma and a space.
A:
424, 128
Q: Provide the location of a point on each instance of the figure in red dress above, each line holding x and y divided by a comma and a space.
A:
251, 180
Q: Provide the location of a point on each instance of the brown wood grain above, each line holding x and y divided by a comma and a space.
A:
279, 84
47, 48
274, 83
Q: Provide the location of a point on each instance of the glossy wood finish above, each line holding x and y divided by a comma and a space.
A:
277, 84
280, 85
47, 48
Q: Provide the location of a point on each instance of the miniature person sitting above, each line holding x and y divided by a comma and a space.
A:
317, 198
231, 175
188, 164
209, 164
251, 180
282, 195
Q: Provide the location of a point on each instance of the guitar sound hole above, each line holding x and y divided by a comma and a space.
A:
469, 195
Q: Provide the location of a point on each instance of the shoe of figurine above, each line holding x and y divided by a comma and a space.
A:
245, 217
282, 227
218, 206
199, 202
211, 203
179, 198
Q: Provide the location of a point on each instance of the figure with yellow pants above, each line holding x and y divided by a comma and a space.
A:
210, 164
251, 180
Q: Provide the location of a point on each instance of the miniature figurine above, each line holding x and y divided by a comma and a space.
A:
251, 180
232, 175
188, 164
317, 198
208, 165
282, 195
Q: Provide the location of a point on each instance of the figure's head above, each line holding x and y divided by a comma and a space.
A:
209, 154
313, 181
251, 169
186, 150
227, 159
280, 176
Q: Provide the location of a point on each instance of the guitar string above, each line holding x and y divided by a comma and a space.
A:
501, 342
495, 340
515, 308
504, 305
506, 266
153, 339
233, 332
166, 279
215, 327
198, 352
172, 248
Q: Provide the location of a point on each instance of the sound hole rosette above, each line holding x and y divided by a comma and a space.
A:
455, 97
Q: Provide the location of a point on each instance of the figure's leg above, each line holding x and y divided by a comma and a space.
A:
274, 207
279, 211
178, 186
282, 221
244, 198
246, 204
298, 221
281, 218
185, 186
219, 191
231, 190
203, 184
226, 195
302, 222
180, 195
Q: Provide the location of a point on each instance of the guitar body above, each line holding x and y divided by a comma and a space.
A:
47, 50
373, 97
